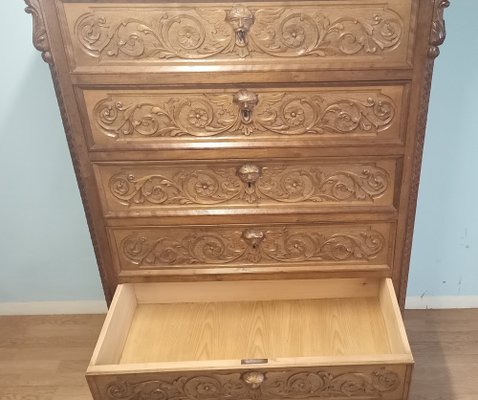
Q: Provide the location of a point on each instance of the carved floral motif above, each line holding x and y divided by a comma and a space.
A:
285, 385
199, 33
281, 184
229, 245
40, 38
245, 113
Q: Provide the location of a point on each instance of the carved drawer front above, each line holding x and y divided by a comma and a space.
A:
253, 340
146, 189
322, 247
355, 382
244, 117
264, 35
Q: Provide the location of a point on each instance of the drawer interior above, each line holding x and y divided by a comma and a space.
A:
229, 324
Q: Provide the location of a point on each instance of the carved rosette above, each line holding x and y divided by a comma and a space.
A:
438, 30
40, 38
230, 246
200, 33
229, 185
245, 112
283, 385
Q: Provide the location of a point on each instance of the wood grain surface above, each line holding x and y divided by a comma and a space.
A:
262, 329
44, 357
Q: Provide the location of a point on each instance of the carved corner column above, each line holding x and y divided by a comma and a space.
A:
436, 38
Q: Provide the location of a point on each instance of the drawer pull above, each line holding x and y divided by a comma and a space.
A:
249, 174
241, 19
253, 378
249, 361
246, 101
253, 237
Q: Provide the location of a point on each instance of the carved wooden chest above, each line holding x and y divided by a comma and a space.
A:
249, 174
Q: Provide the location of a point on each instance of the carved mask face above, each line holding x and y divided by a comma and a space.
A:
246, 102
241, 20
249, 173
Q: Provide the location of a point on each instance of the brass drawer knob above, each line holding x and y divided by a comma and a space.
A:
253, 378
246, 101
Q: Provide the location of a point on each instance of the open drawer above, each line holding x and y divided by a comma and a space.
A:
275, 339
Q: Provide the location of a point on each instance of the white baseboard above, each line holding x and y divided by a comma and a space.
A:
426, 302
99, 306
54, 307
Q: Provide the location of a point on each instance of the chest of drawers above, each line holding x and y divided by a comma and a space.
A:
249, 173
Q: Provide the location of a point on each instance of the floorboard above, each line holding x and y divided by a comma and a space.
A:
44, 357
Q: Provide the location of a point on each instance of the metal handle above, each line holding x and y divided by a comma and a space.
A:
253, 378
246, 101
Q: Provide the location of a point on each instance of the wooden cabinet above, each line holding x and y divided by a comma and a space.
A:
249, 173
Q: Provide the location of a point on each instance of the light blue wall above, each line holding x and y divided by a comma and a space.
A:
45, 247
445, 247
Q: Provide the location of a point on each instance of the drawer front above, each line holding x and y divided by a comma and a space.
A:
265, 35
338, 247
132, 119
364, 382
147, 189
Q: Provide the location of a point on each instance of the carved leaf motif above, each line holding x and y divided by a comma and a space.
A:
230, 246
218, 115
199, 33
280, 184
40, 38
438, 30
283, 384
283, 33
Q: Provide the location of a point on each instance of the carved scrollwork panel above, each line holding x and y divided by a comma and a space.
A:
261, 245
365, 383
326, 114
168, 33
161, 188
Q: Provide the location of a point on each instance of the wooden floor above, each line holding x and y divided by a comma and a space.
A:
45, 357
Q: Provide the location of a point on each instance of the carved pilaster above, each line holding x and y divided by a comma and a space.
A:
437, 37
438, 30
40, 38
